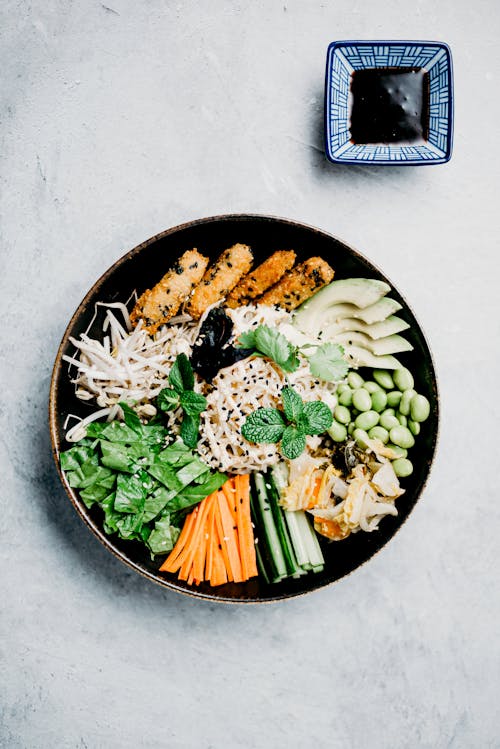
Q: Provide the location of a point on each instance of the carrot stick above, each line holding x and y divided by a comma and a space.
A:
245, 530
169, 563
230, 493
212, 532
200, 552
195, 539
230, 539
219, 574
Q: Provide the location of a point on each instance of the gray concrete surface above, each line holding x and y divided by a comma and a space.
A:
120, 119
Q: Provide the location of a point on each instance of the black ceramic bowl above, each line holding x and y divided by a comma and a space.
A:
140, 268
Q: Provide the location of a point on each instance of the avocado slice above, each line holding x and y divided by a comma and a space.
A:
361, 357
377, 312
376, 330
391, 344
361, 292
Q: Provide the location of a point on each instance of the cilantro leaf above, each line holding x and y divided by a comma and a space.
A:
292, 404
192, 403
293, 442
273, 344
263, 425
246, 339
181, 375
327, 362
319, 418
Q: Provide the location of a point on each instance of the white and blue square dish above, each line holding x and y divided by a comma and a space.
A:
345, 58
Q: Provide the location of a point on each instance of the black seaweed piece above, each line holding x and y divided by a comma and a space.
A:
212, 350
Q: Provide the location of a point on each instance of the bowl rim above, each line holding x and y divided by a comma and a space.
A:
338, 44
53, 426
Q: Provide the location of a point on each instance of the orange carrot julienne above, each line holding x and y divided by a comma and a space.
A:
230, 493
230, 540
195, 538
169, 563
245, 530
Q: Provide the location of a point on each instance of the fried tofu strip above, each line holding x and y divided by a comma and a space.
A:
261, 279
299, 284
157, 305
220, 279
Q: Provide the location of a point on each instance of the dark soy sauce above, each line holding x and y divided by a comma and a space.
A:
389, 105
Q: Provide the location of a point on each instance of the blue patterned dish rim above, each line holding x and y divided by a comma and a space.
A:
343, 57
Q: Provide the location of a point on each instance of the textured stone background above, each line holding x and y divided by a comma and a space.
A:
120, 119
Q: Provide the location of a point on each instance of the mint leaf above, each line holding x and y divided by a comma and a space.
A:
263, 425
193, 403
318, 417
181, 375
189, 430
327, 362
168, 399
292, 443
292, 404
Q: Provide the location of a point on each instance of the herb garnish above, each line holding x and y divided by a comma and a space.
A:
325, 360
181, 394
289, 426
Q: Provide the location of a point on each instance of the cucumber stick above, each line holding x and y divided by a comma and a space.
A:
265, 518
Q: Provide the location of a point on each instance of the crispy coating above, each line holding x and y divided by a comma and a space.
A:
261, 279
299, 284
220, 279
157, 305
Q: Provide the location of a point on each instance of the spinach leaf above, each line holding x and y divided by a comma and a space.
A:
163, 536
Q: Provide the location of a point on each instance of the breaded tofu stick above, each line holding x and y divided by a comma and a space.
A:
299, 284
261, 279
157, 305
220, 279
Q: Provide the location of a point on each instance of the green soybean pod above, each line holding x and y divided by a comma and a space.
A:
379, 433
404, 405
379, 400
402, 467
338, 432
414, 427
345, 397
402, 436
371, 386
342, 415
361, 437
401, 452
388, 419
402, 419
394, 398
354, 380
384, 379
403, 379
367, 420
361, 399
420, 408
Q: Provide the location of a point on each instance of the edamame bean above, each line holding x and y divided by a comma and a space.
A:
361, 436
383, 378
393, 398
379, 400
400, 452
342, 387
345, 397
337, 432
402, 467
361, 399
402, 419
403, 379
420, 408
351, 428
404, 406
342, 415
414, 427
371, 386
388, 419
402, 436
354, 380
379, 433
367, 420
